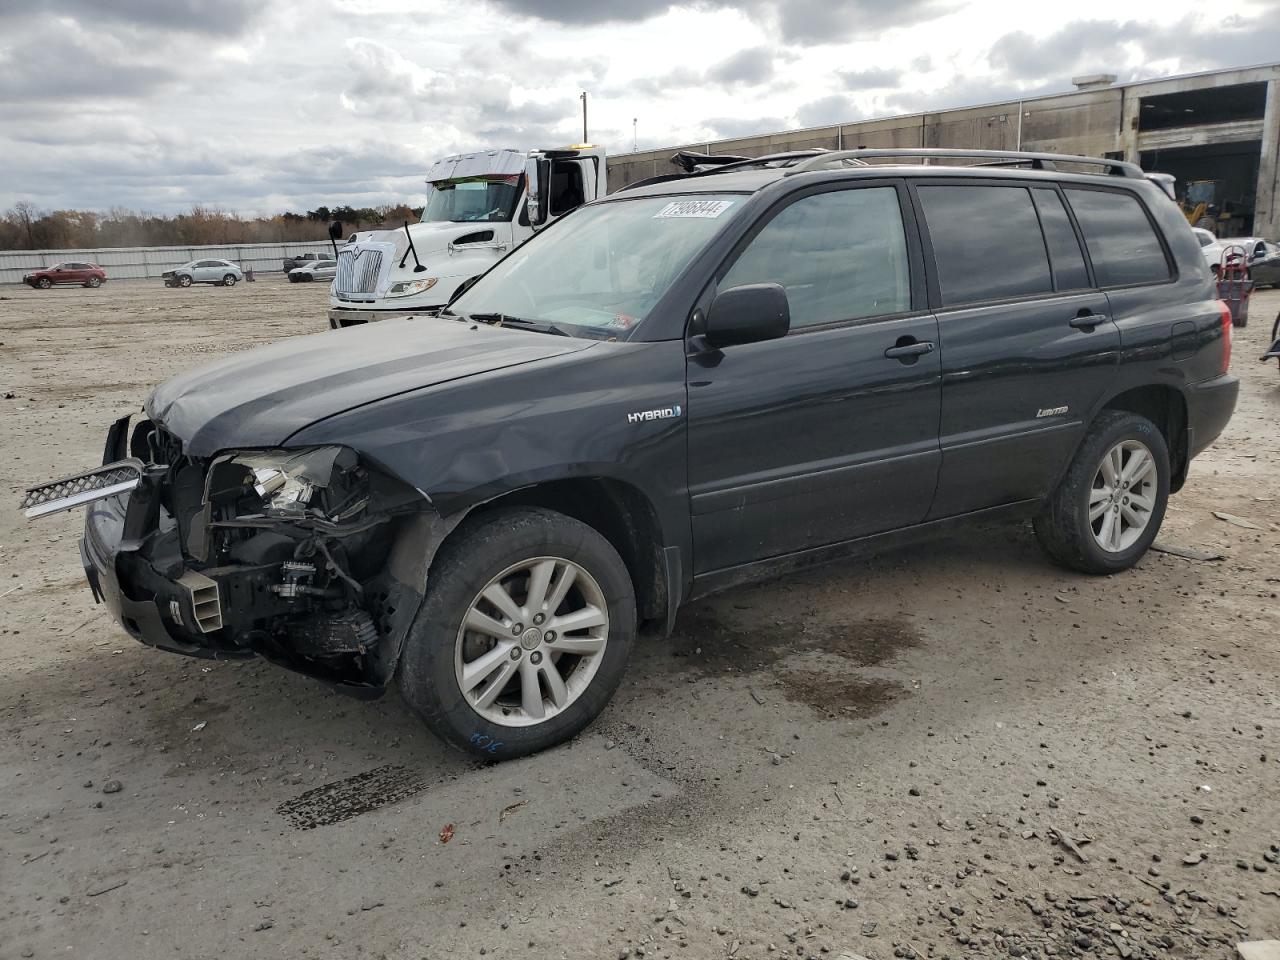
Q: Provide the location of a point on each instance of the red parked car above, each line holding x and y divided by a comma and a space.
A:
85, 274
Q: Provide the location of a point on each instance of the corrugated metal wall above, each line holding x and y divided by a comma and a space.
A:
122, 263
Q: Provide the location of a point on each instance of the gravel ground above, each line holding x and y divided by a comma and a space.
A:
952, 750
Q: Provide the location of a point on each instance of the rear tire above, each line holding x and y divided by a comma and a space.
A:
94, 282
513, 705
229, 280
1109, 507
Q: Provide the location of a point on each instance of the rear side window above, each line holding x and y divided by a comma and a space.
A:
987, 243
1122, 243
840, 255
1069, 272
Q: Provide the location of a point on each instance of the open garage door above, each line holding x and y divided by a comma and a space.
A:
1224, 176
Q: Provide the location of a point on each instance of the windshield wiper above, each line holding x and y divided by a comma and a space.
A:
519, 323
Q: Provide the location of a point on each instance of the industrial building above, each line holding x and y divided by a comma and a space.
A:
1218, 133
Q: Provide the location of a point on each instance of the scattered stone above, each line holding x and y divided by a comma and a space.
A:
264, 925
112, 786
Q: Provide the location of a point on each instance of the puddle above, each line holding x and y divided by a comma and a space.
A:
839, 697
711, 645
344, 799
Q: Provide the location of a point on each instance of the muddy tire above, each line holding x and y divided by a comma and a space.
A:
1109, 507
523, 636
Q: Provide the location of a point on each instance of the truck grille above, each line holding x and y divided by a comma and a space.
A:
357, 275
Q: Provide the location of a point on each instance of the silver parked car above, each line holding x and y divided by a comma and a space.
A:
314, 270
222, 272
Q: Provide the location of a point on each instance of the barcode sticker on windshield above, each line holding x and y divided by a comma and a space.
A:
698, 209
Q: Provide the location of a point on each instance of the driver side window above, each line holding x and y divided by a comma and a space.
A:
566, 190
840, 255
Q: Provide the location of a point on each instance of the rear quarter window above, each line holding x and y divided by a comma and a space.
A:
1122, 242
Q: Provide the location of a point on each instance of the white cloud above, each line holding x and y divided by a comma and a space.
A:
254, 105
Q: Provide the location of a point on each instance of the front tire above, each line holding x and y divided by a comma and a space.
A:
523, 636
44, 283
1109, 507
184, 281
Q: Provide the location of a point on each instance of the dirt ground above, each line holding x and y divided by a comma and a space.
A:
876, 759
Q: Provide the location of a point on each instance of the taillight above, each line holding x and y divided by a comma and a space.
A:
1226, 336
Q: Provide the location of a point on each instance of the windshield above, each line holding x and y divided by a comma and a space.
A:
473, 198
606, 266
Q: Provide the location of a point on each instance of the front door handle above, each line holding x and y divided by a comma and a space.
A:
1087, 321
907, 352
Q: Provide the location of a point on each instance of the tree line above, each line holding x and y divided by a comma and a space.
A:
24, 227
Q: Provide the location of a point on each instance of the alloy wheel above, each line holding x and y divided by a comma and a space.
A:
531, 641
1122, 496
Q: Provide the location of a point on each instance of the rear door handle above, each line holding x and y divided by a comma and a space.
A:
907, 352
1087, 321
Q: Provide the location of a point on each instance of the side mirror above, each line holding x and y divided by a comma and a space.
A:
335, 230
537, 175
748, 314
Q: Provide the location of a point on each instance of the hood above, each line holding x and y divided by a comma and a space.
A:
262, 397
433, 237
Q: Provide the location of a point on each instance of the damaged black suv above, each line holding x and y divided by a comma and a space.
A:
698, 381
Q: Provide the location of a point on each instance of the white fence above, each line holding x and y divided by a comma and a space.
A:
122, 263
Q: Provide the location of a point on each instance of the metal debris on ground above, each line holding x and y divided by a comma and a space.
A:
1231, 518
446, 833
506, 811
1187, 553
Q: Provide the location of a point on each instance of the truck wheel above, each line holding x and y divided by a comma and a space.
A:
1109, 507
44, 283
229, 280
184, 281
523, 635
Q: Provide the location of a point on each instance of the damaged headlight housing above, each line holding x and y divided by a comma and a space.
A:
321, 482
407, 288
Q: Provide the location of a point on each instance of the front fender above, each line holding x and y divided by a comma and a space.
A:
568, 417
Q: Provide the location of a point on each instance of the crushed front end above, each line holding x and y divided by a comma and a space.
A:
305, 556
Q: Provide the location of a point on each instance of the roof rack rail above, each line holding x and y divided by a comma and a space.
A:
717, 164
1001, 158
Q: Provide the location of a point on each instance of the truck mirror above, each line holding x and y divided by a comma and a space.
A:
335, 230
537, 174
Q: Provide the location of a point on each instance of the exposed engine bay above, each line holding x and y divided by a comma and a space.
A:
286, 553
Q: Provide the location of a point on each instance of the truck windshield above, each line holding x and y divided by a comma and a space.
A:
474, 198
606, 267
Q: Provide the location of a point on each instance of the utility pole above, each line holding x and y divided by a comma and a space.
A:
634, 142
584, 117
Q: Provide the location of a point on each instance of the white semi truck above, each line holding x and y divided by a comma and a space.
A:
479, 206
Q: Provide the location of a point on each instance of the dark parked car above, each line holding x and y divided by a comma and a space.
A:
691, 384
81, 274
292, 263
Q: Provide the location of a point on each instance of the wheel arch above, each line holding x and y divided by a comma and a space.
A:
1166, 407
621, 513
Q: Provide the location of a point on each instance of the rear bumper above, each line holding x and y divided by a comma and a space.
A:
353, 316
1210, 404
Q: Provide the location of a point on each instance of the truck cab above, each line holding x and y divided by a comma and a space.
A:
479, 206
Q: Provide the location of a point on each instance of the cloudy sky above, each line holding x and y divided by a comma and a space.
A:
257, 106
